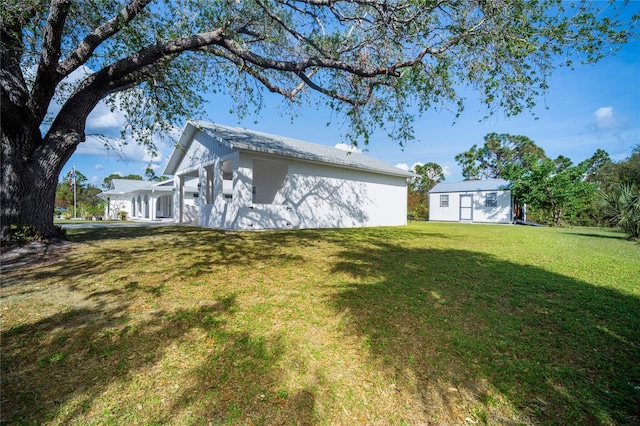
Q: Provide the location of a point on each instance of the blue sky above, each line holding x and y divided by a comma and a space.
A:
587, 108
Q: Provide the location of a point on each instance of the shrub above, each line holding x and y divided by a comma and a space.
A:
21, 233
62, 231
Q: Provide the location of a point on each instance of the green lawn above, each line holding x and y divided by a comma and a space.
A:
426, 324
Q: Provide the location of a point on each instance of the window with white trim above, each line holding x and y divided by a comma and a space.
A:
444, 200
492, 199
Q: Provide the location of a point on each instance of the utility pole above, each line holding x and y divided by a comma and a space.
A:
73, 175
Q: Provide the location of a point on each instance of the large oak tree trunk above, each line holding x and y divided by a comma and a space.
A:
30, 170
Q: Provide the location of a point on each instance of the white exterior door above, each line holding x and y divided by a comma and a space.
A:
466, 207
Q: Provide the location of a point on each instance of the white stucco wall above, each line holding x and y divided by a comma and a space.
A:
115, 204
502, 213
316, 196
161, 202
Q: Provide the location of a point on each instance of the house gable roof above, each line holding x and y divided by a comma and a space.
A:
126, 186
252, 141
472, 186
121, 186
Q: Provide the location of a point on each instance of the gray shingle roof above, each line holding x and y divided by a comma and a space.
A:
126, 186
123, 186
249, 140
472, 186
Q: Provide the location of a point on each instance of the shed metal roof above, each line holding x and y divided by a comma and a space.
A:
249, 140
472, 186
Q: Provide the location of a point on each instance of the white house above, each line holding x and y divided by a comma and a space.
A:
488, 201
146, 200
252, 180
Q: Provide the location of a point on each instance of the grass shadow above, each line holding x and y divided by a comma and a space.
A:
62, 365
179, 325
464, 329
73, 359
606, 234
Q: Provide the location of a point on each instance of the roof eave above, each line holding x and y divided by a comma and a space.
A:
180, 148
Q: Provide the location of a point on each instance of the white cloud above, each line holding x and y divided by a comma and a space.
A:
349, 148
403, 166
103, 129
101, 118
604, 118
129, 152
445, 169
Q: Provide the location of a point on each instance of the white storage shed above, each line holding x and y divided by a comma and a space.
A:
487, 201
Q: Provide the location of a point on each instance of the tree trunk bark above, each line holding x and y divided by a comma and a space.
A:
29, 177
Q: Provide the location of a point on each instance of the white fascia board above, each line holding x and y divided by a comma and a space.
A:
180, 149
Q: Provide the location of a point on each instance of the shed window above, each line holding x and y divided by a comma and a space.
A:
444, 200
492, 199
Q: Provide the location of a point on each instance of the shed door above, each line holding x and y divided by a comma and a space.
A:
466, 204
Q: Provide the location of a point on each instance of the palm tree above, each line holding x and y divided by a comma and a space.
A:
622, 204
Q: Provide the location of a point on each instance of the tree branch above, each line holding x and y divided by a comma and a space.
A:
335, 95
289, 94
46, 79
52, 38
12, 83
295, 34
116, 77
86, 47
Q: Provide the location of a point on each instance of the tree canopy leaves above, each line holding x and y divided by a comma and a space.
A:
498, 151
369, 58
106, 182
555, 186
428, 175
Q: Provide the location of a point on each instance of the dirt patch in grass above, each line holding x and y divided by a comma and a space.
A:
428, 324
21, 256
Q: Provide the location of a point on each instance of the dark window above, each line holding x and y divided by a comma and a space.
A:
444, 201
492, 199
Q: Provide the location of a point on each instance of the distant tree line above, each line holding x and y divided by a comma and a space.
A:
88, 204
87, 201
595, 192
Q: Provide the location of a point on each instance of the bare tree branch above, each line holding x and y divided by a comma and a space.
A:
244, 66
52, 38
99, 35
46, 80
296, 34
